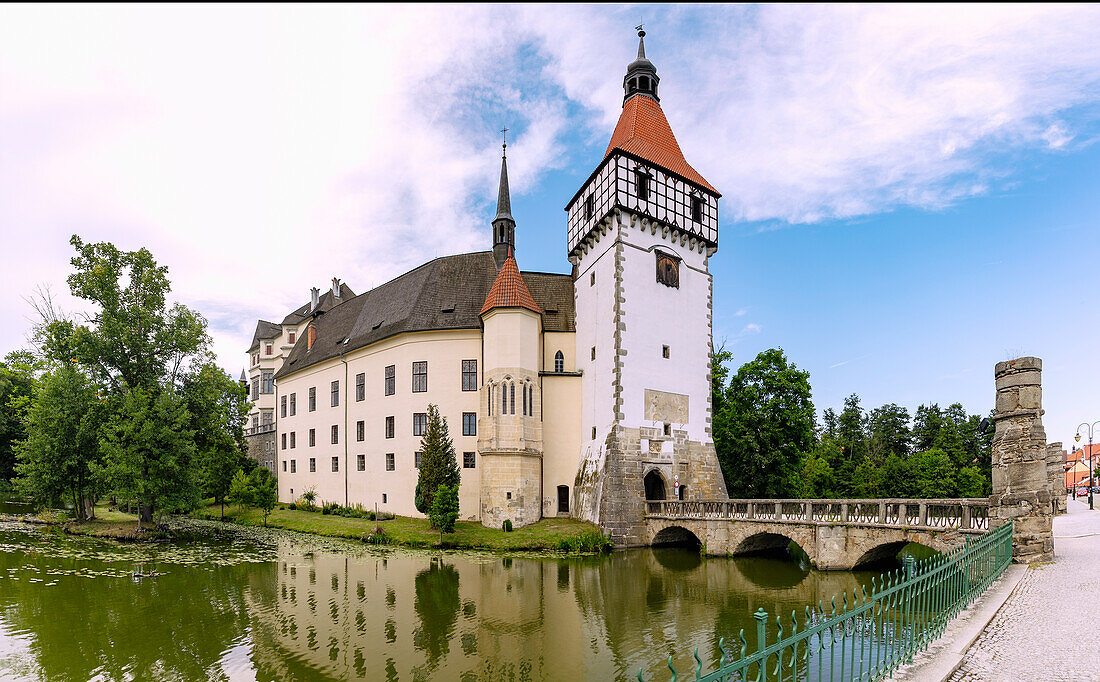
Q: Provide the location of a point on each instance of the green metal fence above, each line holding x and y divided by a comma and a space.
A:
869, 635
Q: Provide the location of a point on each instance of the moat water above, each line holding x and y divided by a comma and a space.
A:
241, 604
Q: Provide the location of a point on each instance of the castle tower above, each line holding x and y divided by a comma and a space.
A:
641, 232
510, 415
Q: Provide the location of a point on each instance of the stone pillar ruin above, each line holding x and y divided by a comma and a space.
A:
1021, 483
1057, 478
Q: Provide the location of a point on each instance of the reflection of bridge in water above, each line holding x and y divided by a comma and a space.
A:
835, 534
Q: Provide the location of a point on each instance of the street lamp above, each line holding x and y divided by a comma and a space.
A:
1077, 438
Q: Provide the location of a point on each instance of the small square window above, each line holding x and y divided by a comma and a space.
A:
416, 459
664, 351
290, 338
668, 429
361, 462
389, 467
384, 494
593, 433
508, 495
468, 460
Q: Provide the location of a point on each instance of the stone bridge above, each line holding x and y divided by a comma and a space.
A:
836, 534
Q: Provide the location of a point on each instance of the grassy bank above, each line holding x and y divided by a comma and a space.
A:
546, 535
108, 523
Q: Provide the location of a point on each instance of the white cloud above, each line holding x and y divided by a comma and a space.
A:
751, 328
260, 150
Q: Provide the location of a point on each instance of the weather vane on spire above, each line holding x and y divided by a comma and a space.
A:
640, 28
504, 132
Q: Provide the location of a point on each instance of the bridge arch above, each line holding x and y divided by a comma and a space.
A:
676, 535
886, 552
766, 543
654, 483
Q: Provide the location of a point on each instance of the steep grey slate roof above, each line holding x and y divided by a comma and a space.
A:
264, 330
325, 302
445, 293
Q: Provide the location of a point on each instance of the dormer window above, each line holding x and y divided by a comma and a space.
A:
290, 338
668, 270
267, 349
588, 207
641, 183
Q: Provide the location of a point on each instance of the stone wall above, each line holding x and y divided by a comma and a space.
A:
261, 447
1057, 477
1021, 484
510, 488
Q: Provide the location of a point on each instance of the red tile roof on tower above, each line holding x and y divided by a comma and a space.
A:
643, 131
509, 290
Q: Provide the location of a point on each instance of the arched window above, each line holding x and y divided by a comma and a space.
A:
525, 400
503, 398
490, 400
512, 391
559, 362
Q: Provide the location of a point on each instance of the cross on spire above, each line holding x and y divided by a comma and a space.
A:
504, 132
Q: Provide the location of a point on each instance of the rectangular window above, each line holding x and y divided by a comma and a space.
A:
361, 462
290, 338
312, 464
335, 434
469, 423
588, 207
416, 459
312, 438
360, 387
267, 418
267, 382
255, 359
284, 465
664, 351
313, 399
697, 209
335, 463
335, 393
292, 439
255, 389
420, 423
293, 404
391, 379
282, 406
641, 180
468, 460
420, 377
389, 461
592, 279
389, 427
284, 441
593, 352
293, 466
360, 431
469, 375
267, 349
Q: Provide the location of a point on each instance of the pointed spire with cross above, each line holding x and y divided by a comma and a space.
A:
504, 225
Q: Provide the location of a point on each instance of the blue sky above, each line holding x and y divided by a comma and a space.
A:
909, 192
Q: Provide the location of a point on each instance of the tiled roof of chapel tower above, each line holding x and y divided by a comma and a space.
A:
509, 290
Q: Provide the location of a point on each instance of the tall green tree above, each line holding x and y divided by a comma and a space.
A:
218, 406
438, 462
765, 427
265, 491
888, 432
60, 457
149, 453
133, 339
18, 373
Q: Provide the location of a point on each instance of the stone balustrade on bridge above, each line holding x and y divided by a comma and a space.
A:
835, 534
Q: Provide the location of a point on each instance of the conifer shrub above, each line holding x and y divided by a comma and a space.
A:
506, 526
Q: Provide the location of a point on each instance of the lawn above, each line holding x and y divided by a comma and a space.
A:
547, 534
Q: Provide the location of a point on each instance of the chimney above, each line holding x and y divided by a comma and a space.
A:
314, 298
311, 336
335, 288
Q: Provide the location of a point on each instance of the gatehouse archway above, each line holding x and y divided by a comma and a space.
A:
654, 485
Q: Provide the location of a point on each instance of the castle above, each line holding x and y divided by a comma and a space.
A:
580, 394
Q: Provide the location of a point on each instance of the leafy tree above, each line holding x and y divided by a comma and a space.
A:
817, 477
134, 339
888, 428
60, 457
240, 490
218, 406
935, 474
765, 427
969, 482
719, 375
896, 478
927, 423
444, 511
17, 379
265, 492
149, 453
438, 463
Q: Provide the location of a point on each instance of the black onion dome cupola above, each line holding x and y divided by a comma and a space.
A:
641, 76
504, 226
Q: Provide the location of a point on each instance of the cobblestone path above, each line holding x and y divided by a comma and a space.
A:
1047, 630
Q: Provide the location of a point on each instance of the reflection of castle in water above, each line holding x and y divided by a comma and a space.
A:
411, 616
